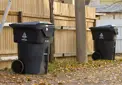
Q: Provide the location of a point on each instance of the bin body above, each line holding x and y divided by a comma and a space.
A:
33, 40
104, 42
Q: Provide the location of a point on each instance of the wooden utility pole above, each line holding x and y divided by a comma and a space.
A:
51, 2
80, 31
51, 56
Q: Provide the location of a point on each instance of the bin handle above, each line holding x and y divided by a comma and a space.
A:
5, 15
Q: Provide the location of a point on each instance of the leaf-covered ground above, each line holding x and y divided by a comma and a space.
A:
69, 72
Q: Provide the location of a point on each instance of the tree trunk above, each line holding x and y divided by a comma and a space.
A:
51, 57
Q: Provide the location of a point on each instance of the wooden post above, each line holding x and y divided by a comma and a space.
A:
51, 11
20, 16
80, 31
52, 46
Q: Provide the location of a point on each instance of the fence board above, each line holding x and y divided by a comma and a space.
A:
38, 10
7, 46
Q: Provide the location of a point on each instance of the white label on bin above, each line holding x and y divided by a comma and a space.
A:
46, 41
46, 29
24, 37
101, 36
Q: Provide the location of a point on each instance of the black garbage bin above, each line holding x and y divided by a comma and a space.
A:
104, 42
33, 40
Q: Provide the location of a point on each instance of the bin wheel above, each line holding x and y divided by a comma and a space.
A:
96, 56
17, 66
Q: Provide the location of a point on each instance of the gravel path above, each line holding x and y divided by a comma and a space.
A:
104, 75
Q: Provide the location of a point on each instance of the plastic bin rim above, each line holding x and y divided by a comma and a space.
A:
34, 23
103, 28
31, 25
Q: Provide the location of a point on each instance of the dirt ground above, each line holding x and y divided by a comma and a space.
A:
70, 73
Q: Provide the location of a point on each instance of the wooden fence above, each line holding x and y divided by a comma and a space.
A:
38, 10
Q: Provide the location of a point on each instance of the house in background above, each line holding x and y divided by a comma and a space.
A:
104, 2
98, 2
111, 11
108, 2
69, 1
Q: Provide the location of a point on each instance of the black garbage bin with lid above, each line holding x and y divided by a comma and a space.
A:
104, 42
33, 40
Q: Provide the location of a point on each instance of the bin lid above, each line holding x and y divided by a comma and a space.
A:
37, 25
105, 28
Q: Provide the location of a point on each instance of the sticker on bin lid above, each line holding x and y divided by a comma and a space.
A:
46, 25
101, 36
24, 37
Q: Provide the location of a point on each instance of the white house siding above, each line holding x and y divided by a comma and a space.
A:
107, 16
118, 23
111, 16
118, 16
94, 2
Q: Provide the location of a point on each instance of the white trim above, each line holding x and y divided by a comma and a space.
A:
7, 24
8, 58
73, 2
101, 14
